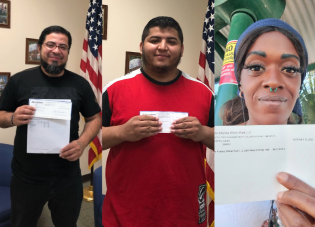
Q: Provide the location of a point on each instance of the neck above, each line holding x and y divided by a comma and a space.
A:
52, 75
166, 76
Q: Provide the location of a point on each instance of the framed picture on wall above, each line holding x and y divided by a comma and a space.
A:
4, 77
105, 17
31, 53
5, 11
133, 61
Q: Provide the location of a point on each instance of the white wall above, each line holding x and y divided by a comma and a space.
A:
126, 20
28, 19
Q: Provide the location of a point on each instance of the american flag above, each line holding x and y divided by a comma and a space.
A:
206, 75
91, 66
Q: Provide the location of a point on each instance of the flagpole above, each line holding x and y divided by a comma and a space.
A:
88, 191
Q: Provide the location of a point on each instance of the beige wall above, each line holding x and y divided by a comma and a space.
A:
126, 20
28, 19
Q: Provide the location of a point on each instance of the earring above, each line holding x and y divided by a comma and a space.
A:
241, 94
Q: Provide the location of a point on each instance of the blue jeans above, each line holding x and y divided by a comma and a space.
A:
64, 196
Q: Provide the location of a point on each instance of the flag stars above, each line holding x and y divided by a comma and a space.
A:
212, 5
90, 37
209, 39
89, 14
206, 30
210, 27
212, 16
91, 29
92, 19
95, 38
95, 47
94, 2
93, 11
208, 9
208, 50
99, 23
206, 20
97, 31
100, 15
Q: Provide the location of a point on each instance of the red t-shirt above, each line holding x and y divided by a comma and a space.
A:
159, 180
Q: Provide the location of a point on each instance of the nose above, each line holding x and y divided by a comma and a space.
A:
163, 45
273, 79
56, 50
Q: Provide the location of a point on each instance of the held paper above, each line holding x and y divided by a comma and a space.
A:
166, 118
49, 130
52, 108
247, 160
47, 136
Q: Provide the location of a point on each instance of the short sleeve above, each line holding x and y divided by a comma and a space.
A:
107, 113
90, 106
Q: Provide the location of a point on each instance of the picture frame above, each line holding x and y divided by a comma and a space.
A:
4, 78
133, 61
5, 14
105, 18
31, 53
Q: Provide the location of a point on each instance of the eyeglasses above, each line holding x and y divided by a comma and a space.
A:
52, 46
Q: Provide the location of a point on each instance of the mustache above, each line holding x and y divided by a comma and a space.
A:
275, 98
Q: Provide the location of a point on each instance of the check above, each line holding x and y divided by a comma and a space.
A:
49, 130
247, 159
166, 118
52, 108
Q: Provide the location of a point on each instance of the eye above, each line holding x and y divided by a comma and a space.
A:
254, 68
51, 44
154, 40
291, 69
63, 47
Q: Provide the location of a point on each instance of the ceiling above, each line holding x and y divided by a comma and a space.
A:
300, 15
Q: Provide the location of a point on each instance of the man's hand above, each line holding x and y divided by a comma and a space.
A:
296, 207
72, 151
188, 128
139, 127
23, 115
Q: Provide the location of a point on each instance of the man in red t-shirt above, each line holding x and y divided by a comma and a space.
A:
155, 178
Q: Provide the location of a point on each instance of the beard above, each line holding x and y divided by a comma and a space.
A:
53, 68
159, 68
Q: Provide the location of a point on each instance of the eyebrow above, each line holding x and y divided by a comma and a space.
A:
260, 53
284, 56
159, 37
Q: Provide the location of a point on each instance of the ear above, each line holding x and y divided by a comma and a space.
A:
38, 48
141, 46
182, 51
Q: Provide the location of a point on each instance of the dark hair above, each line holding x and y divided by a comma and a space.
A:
162, 22
54, 29
232, 111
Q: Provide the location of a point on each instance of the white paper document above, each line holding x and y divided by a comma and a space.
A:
52, 108
49, 130
167, 118
248, 158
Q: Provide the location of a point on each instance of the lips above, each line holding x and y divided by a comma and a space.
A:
272, 101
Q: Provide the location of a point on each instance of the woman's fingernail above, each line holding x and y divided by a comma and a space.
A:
282, 177
280, 194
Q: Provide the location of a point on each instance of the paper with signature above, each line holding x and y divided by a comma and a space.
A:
247, 159
52, 108
166, 118
49, 130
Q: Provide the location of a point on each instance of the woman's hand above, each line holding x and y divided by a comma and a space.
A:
296, 207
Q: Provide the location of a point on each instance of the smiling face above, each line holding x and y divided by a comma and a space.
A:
272, 63
53, 60
161, 50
